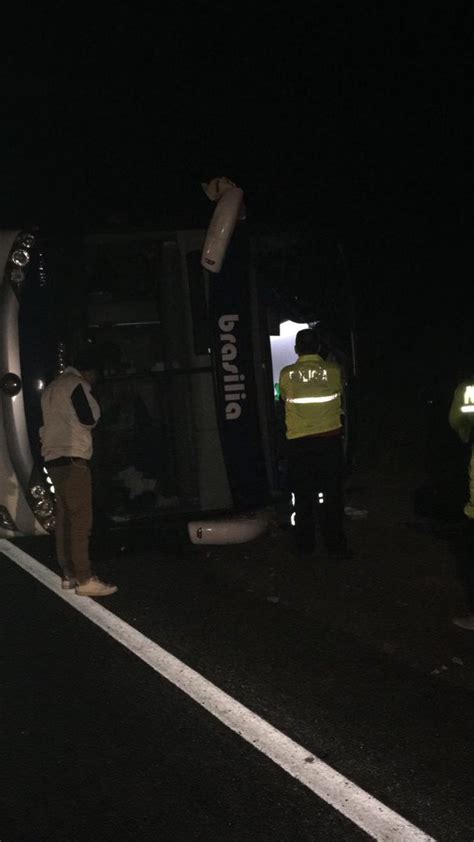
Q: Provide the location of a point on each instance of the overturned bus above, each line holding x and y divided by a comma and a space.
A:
189, 426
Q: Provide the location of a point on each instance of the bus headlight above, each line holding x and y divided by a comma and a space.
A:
42, 504
6, 521
20, 257
38, 492
17, 276
44, 508
10, 384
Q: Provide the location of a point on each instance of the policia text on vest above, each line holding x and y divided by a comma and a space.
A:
311, 389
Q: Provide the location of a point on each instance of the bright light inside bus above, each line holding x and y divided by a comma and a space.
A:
291, 329
283, 349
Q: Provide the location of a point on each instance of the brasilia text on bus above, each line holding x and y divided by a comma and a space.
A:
234, 382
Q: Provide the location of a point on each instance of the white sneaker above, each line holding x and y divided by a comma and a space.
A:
465, 622
94, 587
68, 583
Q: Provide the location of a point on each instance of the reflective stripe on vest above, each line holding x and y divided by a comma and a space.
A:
324, 399
468, 399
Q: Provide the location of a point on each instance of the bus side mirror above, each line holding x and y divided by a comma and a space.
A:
221, 228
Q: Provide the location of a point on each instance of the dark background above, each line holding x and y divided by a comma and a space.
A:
343, 124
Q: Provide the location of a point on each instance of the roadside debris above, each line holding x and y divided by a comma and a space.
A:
355, 514
442, 668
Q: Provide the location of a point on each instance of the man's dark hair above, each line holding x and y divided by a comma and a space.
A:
307, 342
87, 359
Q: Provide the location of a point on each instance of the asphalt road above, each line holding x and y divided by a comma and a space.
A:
98, 746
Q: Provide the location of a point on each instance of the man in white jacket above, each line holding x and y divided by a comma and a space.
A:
70, 413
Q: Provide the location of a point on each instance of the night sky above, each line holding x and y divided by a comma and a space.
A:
353, 119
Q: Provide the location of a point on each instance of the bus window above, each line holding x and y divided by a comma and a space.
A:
199, 308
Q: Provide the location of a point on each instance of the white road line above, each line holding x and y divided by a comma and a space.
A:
357, 805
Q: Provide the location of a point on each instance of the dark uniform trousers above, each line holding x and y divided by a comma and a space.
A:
315, 465
463, 545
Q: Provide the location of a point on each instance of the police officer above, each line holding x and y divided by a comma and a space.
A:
311, 389
461, 419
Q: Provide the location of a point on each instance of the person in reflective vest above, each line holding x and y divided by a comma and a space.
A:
311, 389
461, 419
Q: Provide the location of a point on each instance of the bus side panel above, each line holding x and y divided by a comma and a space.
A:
12, 420
214, 491
236, 387
11, 494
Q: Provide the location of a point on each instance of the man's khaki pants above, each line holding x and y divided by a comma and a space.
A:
73, 491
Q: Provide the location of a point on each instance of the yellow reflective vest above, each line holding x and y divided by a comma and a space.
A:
461, 413
311, 389
461, 419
